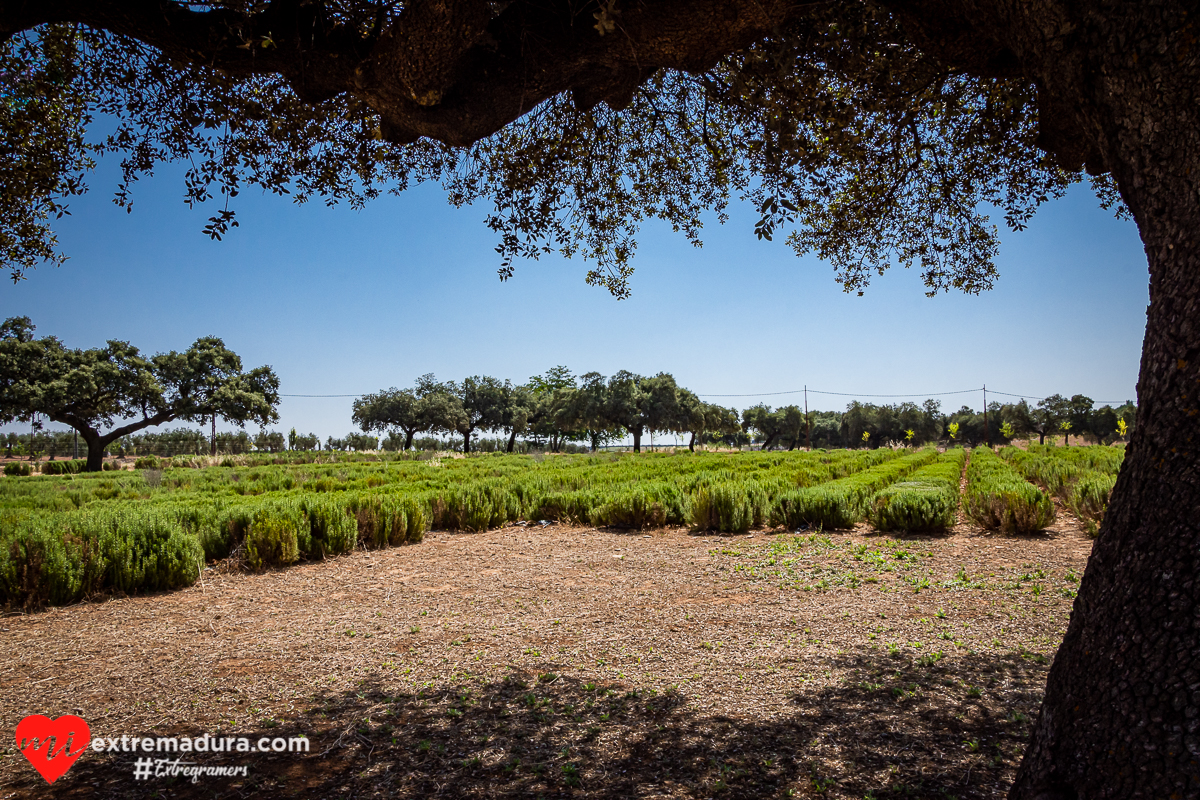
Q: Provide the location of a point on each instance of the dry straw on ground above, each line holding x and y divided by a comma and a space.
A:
562, 661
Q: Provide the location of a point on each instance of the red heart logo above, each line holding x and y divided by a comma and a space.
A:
33, 739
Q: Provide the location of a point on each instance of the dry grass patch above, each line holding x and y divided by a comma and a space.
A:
563, 661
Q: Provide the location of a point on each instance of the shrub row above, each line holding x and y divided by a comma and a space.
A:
60, 559
25, 468
927, 500
1082, 477
64, 467
63, 557
999, 498
842, 503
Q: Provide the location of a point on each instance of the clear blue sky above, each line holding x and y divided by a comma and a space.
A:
339, 301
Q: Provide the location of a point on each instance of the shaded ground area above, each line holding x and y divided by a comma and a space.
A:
562, 661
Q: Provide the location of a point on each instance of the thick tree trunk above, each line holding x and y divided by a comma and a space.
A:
408, 437
95, 453
467, 442
692, 443
1121, 715
637, 440
512, 440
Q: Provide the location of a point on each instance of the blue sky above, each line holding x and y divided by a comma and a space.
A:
343, 302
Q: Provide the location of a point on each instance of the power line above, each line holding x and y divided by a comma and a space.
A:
845, 394
1034, 397
814, 391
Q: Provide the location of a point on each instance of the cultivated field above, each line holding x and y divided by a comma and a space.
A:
591, 659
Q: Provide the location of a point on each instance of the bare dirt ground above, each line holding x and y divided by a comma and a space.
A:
572, 662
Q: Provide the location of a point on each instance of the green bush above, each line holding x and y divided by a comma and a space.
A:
332, 529
216, 531
476, 507
384, 519
18, 469
914, 506
142, 550
110, 466
36, 569
273, 539
574, 507
63, 467
926, 501
1088, 497
729, 507
147, 462
416, 516
998, 498
635, 508
842, 503
1082, 477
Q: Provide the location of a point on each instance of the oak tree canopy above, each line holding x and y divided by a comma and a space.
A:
574, 121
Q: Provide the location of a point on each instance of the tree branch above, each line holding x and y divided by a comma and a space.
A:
451, 70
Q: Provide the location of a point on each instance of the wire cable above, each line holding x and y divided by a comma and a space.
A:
845, 394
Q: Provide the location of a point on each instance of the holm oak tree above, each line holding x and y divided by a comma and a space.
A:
872, 132
92, 389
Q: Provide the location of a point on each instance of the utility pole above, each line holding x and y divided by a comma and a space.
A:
76, 454
807, 424
987, 432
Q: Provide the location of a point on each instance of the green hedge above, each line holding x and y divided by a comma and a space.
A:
842, 503
63, 467
998, 498
925, 501
1082, 477
730, 507
61, 559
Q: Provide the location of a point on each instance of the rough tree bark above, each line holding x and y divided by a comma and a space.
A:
1117, 86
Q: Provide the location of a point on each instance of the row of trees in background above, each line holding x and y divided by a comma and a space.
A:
866, 424
557, 408
92, 389
551, 409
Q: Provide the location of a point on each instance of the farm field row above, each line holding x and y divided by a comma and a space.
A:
66, 537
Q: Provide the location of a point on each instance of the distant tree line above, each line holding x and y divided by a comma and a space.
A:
870, 425
549, 410
560, 412
557, 408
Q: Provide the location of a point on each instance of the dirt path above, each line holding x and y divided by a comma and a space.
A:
566, 661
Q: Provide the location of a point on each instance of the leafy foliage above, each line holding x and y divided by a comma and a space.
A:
851, 141
93, 389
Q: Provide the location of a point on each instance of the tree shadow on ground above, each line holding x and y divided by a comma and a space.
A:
893, 727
